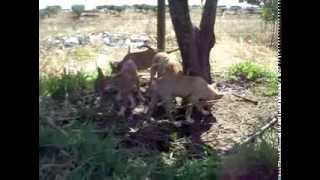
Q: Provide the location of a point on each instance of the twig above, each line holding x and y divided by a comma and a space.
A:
92, 131
246, 99
261, 131
45, 166
172, 50
50, 123
255, 135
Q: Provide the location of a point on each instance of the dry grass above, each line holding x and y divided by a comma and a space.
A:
238, 119
238, 38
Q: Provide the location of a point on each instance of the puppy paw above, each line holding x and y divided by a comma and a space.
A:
190, 120
206, 113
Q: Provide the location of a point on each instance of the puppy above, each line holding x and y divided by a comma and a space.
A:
195, 89
162, 64
142, 59
127, 83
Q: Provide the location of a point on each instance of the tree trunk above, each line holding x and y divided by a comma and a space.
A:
161, 29
195, 43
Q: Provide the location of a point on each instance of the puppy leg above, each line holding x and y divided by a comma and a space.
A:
152, 73
169, 107
122, 111
118, 96
140, 96
153, 103
132, 101
189, 113
199, 106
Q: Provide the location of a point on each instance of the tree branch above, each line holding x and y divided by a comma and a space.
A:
179, 12
207, 22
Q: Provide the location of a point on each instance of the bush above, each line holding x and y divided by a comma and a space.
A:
252, 72
52, 10
43, 14
270, 11
78, 9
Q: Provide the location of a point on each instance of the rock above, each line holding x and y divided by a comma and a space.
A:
139, 40
84, 40
107, 41
70, 42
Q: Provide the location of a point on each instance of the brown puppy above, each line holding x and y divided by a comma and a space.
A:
162, 64
127, 83
142, 59
195, 89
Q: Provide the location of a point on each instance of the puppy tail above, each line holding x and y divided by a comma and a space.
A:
129, 49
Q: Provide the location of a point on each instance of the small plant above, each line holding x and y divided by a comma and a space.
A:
251, 72
246, 71
78, 9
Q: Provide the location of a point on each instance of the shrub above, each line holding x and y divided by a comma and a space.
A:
251, 72
52, 10
57, 87
78, 9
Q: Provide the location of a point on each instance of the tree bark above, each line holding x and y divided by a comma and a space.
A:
161, 26
195, 43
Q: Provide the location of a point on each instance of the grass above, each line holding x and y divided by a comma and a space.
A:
254, 161
238, 37
58, 86
252, 72
97, 157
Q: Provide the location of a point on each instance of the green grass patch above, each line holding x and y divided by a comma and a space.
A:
58, 86
252, 72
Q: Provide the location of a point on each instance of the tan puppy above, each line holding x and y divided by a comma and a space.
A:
194, 88
127, 83
162, 64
